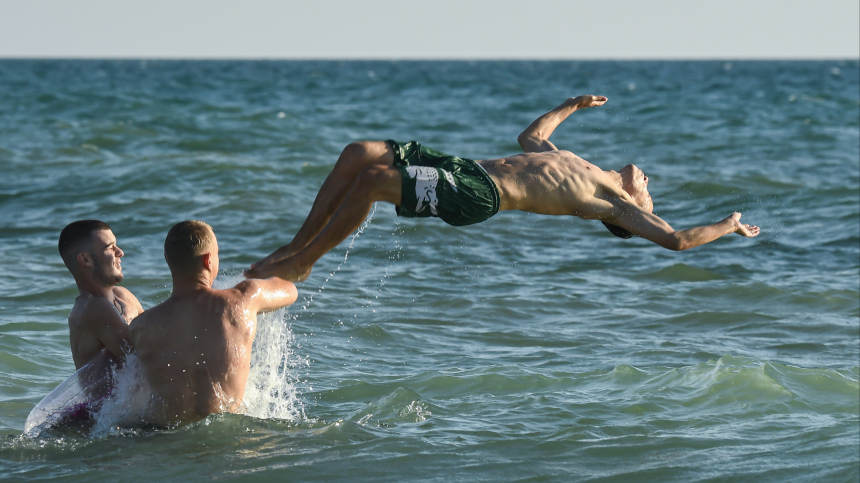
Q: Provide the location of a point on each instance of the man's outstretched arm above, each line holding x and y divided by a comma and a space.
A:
535, 139
266, 295
653, 228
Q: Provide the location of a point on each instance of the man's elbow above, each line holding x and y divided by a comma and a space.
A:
676, 243
522, 139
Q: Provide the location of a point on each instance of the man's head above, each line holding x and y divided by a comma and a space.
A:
635, 183
191, 248
89, 247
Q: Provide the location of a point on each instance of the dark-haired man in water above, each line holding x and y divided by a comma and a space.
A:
422, 182
99, 320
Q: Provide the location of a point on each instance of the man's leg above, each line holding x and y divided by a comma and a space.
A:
376, 183
354, 159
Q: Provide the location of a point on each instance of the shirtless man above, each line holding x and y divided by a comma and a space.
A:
99, 320
195, 347
423, 182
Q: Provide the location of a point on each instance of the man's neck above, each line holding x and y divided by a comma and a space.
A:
94, 289
187, 285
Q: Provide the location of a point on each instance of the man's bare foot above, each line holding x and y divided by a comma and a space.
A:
285, 251
286, 269
742, 228
583, 102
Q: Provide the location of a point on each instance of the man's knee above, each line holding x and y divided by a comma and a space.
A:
378, 183
357, 151
359, 155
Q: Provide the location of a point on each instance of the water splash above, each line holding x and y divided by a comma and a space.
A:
310, 299
131, 392
272, 391
396, 253
273, 380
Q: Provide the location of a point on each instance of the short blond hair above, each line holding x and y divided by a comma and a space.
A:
185, 242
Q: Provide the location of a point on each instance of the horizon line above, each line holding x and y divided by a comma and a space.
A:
436, 59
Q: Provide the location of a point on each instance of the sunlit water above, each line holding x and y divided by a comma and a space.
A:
524, 347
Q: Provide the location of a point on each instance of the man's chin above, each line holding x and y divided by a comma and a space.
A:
114, 279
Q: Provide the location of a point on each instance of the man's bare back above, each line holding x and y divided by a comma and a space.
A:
196, 346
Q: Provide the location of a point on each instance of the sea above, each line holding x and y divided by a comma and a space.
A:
525, 348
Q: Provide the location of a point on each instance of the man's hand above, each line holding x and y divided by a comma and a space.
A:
743, 229
582, 102
535, 139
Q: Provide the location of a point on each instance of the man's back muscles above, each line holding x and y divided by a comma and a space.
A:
196, 347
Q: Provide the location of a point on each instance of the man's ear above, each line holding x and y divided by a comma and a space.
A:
206, 259
84, 259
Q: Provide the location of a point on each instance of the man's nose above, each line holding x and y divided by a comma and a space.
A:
119, 252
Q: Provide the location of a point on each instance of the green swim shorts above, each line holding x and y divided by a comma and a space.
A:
457, 190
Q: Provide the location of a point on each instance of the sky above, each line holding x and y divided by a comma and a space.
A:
431, 29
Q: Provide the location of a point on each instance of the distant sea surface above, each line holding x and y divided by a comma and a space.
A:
525, 348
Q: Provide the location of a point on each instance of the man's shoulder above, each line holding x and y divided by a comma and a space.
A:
562, 154
147, 323
91, 310
157, 313
242, 289
554, 156
94, 307
123, 292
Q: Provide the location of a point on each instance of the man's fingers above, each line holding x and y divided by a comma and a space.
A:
597, 101
591, 101
751, 230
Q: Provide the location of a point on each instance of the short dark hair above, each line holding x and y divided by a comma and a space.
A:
617, 230
185, 241
76, 234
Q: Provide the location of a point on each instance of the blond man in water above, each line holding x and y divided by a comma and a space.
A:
422, 182
195, 347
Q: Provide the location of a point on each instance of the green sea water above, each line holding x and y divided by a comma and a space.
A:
526, 348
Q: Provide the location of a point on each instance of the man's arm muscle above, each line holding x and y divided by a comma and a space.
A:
535, 139
103, 321
268, 294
